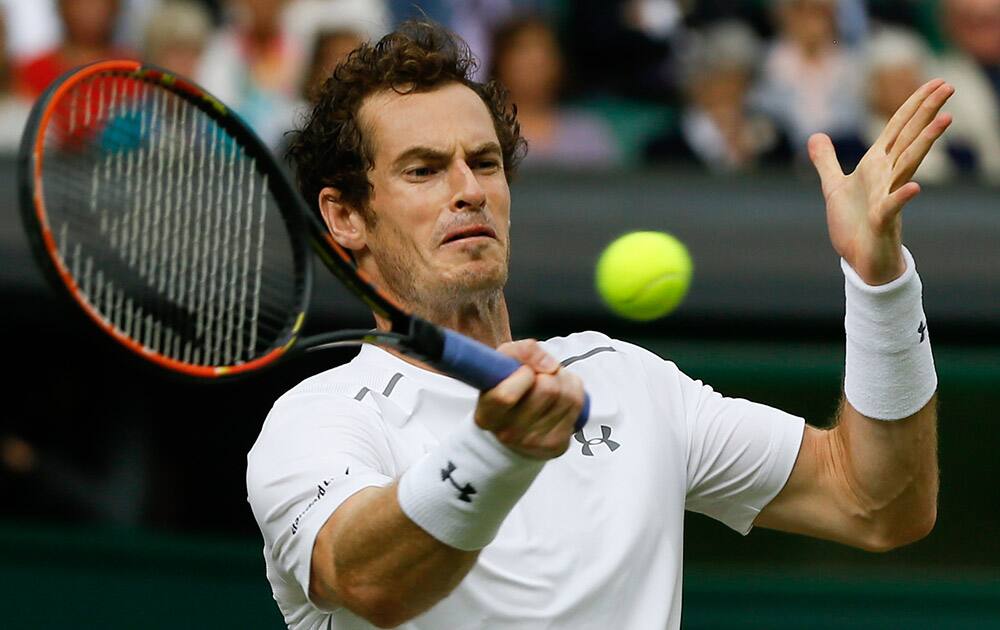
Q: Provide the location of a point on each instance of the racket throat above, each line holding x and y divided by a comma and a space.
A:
424, 342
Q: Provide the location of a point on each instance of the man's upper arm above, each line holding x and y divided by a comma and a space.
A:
315, 453
795, 508
740, 455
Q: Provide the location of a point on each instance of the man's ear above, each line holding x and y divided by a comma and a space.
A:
345, 223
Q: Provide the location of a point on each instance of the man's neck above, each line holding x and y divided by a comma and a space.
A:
485, 319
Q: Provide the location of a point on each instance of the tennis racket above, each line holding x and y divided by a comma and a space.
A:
167, 221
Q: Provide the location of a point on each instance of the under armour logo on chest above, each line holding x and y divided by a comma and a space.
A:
604, 439
922, 328
464, 492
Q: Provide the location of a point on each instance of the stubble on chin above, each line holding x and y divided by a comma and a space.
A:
436, 301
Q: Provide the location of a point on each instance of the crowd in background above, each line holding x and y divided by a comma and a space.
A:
722, 85
729, 86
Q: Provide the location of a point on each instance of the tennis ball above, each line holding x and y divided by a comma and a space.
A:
644, 275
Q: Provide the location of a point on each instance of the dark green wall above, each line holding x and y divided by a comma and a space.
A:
57, 578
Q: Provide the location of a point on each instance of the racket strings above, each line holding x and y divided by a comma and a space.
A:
166, 225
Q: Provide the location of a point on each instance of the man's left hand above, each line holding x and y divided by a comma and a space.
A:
864, 209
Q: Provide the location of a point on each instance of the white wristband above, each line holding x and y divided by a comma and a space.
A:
462, 491
890, 369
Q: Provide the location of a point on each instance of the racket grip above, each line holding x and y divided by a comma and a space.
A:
483, 367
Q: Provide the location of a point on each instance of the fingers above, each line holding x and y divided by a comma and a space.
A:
905, 113
536, 413
534, 410
899, 198
908, 163
824, 158
544, 421
924, 115
494, 405
530, 353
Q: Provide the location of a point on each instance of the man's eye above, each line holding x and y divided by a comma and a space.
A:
421, 171
487, 164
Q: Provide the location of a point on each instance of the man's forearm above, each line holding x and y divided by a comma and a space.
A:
371, 558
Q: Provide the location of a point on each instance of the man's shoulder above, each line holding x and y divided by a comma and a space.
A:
340, 380
337, 392
578, 346
323, 402
586, 340
350, 380
595, 351
565, 347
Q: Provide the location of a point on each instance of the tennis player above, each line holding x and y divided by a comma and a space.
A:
390, 495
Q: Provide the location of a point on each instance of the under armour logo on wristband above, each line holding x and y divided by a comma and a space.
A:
921, 329
464, 492
604, 439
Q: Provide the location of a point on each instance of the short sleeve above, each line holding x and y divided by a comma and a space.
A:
314, 452
740, 454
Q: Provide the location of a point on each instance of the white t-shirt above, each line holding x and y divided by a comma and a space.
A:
595, 543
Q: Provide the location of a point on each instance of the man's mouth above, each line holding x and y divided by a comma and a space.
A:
467, 232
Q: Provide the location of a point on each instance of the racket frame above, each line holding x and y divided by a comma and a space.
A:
409, 334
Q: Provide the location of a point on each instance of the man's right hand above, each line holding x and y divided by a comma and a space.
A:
534, 410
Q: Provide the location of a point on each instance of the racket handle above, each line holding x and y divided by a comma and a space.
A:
483, 367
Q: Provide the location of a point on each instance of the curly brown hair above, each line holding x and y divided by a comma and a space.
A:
329, 149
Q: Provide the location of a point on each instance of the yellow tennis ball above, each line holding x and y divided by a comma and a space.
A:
644, 275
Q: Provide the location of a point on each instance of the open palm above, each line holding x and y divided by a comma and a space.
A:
863, 209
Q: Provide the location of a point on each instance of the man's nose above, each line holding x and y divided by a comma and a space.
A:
469, 193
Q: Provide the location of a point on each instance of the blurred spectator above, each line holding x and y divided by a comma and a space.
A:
973, 67
331, 30
528, 62
176, 35
626, 47
474, 20
329, 49
810, 82
88, 27
32, 27
13, 107
974, 27
896, 63
253, 66
717, 127
133, 17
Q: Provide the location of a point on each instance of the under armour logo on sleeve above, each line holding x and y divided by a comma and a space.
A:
604, 439
464, 492
922, 328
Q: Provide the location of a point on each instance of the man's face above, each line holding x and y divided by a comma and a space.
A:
440, 199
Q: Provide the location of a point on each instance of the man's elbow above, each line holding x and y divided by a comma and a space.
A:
898, 532
384, 613
377, 606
